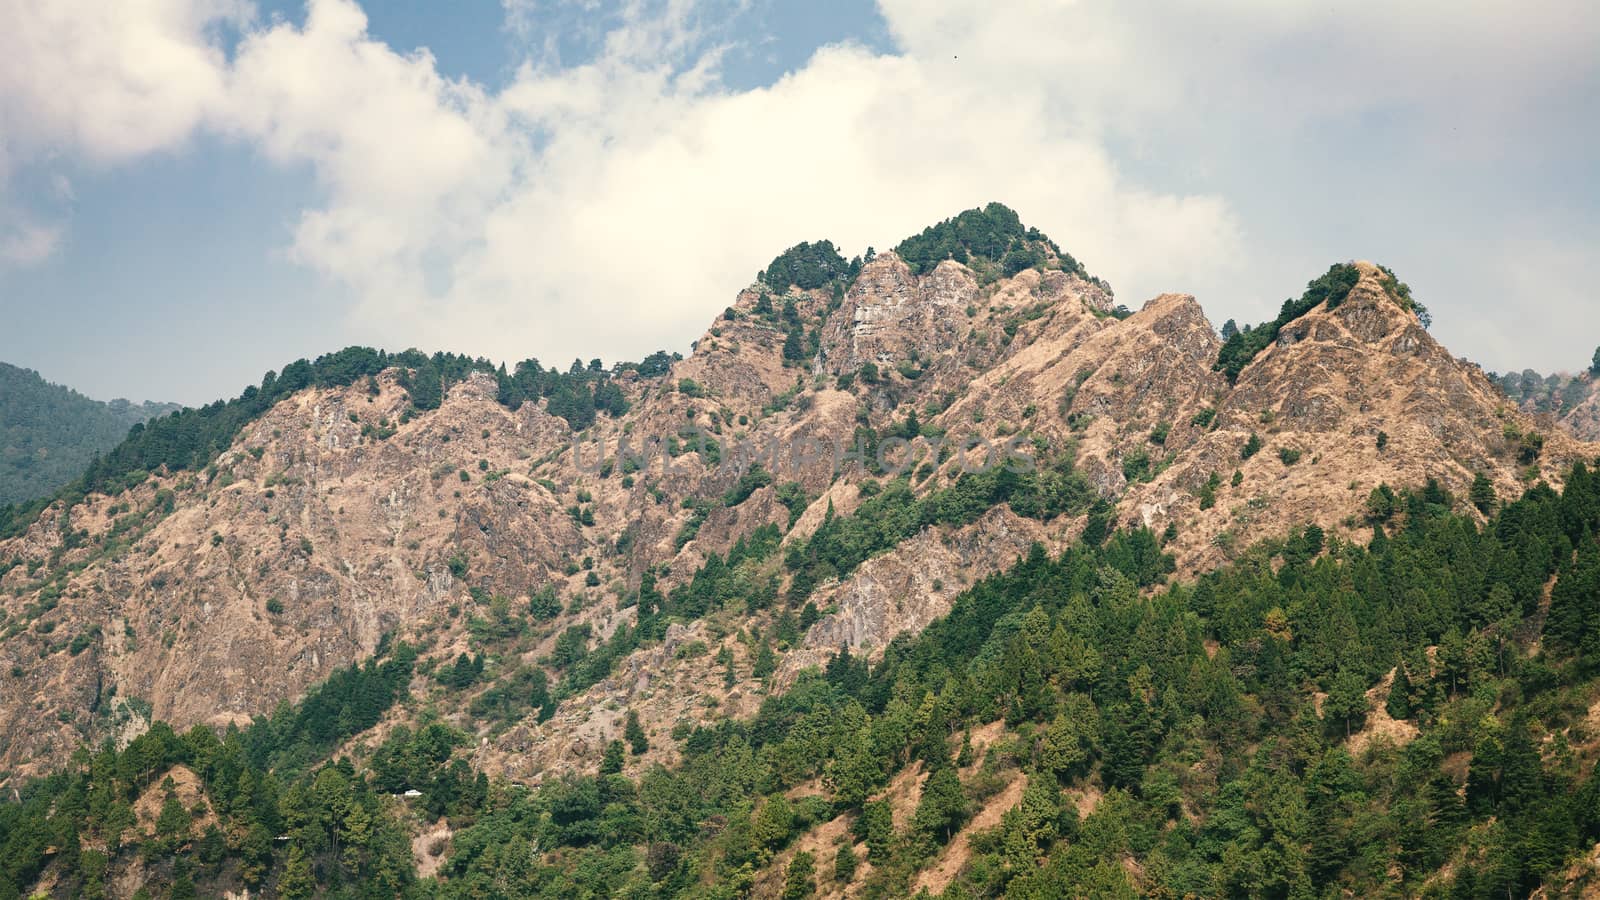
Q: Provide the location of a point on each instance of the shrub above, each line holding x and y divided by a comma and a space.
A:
754, 479
1136, 466
1381, 504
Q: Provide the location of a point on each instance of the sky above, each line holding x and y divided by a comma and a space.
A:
194, 192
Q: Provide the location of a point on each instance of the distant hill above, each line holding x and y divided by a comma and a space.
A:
1572, 400
48, 432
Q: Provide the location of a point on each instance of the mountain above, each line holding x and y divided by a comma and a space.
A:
48, 433
935, 569
1569, 401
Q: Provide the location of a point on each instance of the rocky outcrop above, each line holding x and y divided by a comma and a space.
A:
1345, 400
905, 590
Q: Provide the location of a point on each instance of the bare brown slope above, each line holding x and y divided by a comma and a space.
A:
1332, 384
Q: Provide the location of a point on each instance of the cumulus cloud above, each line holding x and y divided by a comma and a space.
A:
111, 81
612, 204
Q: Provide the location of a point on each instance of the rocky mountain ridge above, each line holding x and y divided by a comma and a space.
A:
473, 530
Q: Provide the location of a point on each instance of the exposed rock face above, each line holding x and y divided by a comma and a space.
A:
1583, 419
330, 523
347, 537
1333, 383
908, 588
889, 315
1109, 384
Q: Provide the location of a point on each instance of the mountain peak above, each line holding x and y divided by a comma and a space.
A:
1370, 310
992, 241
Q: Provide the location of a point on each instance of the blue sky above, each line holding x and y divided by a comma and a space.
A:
193, 192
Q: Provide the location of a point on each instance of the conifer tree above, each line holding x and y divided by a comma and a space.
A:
1483, 494
611, 763
1398, 706
633, 732
844, 864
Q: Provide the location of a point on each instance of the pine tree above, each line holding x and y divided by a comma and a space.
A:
875, 826
633, 732
1483, 777
1346, 705
943, 807
765, 662
611, 763
774, 823
1521, 771
1381, 504
1330, 785
855, 770
1573, 623
797, 882
844, 864
1398, 704
172, 825
1482, 494
1062, 752
298, 880
794, 348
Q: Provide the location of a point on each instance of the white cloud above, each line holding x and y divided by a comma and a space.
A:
111, 81
1291, 60
101, 82
411, 161
612, 206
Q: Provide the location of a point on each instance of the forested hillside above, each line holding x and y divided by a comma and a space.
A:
1413, 716
48, 433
